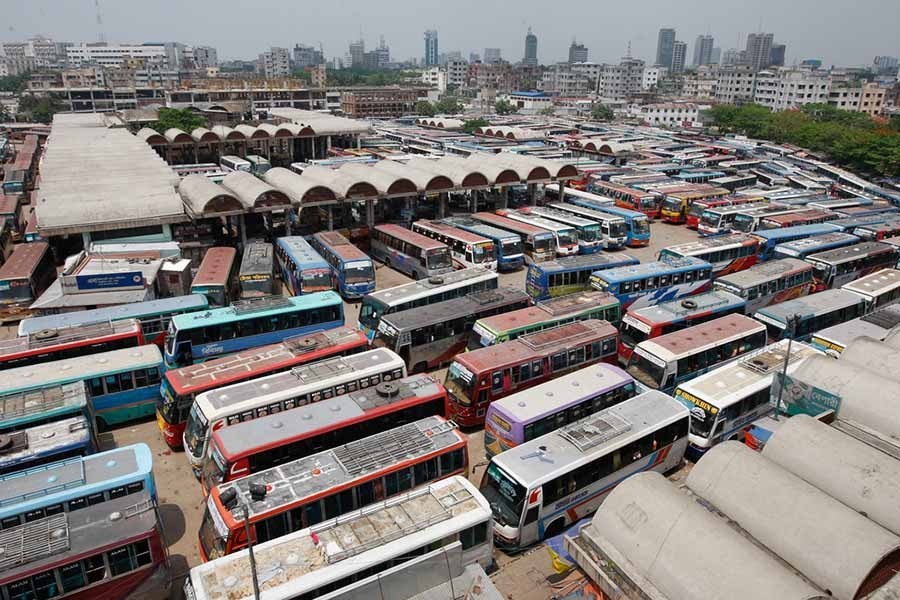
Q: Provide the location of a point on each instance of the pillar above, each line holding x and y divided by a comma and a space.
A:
442, 200
473, 201
196, 159
330, 213
243, 227
370, 213
532, 194
562, 190
358, 142
504, 197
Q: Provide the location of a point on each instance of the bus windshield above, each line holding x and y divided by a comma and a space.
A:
461, 383
567, 237
512, 247
195, 432
710, 218
543, 243
370, 312
214, 468
618, 229
672, 204
649, 371
742, 223
632, 335
316, 279
505, 495
648, 202
590, 233
640, 225
482, 253
360, 271
213, 543
439, 259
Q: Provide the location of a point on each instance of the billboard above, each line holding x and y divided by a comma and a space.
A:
799, 397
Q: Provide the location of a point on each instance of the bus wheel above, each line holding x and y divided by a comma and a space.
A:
556, 528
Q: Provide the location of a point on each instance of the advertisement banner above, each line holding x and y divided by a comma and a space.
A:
799, 397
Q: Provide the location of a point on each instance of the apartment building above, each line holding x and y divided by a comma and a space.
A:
735, 84
457, 72
381, 103
783, 89
274, 63
868, 98
563, 80
618, 82
669, 114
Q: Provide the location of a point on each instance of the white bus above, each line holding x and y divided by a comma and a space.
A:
878, 325
880, 288
466, 249
613, 229
727, 399
230, 162
566, 236
768, 283
542, 486
590, 232
329, 556
301, 385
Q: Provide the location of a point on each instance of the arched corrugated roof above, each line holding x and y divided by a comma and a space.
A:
274, 131
387, 184
302, 192
177, 136
458, 171
498, 174
297, 130
425, 181
252, 133
254, 194
228, 134
204, 198
344, 184
322, 123
871, 354
203, 135
152, 137
530, 169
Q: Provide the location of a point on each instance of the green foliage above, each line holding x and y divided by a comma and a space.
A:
851, 139
601, 112
472, 124
303, 75
503, 107
448, 105
183, 119
4, 114
548, 112
424, 108
14, 83
38, 108
350, 77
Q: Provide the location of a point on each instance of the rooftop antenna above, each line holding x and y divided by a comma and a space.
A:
628, 50
99, 21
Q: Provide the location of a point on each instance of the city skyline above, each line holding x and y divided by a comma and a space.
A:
810, 30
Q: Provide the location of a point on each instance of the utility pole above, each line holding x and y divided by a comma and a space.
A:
250, 551
792, 328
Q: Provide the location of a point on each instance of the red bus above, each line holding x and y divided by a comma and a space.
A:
181, 386
696, 209
56, 344
25, 275
804, 217
216, 275
323, 486
477, 378
629, 198
252, 446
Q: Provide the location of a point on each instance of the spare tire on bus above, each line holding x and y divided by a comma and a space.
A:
436, 280
689, 304
45, 334
387, 389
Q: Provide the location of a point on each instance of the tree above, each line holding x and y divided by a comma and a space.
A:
14, 83
601, 112
424, 108
39, 108
472, 124
303, 75
503, 107
4, 114
548, 112
182, 119
448, 105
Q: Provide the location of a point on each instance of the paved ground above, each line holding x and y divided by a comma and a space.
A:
527, 576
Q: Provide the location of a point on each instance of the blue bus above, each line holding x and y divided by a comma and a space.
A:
637, 223
196, 337
123, 384
569, 274
818, 243
73, 484
648, 284
508, 245
46, 443
352, 270
303, 271
44, 405
769, 238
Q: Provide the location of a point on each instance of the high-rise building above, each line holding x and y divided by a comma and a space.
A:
776, 55
357, 54
307, 56
664, 45
431, 48
715, 57
621, 81
275, 63
205, 56
732, 56
577, 52
474, 57
703, 49
530, 59
759, 48
491, 55
885, 65
679, 53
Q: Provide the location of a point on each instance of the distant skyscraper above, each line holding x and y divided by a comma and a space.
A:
431, 48
491, 55
776, 55
357, 54
732, 56
885, 64
715, 56
577, 52
530, 59
474, 57
679, 53
664, 48
759, 47
703, 48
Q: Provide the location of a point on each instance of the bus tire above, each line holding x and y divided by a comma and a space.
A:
556, 528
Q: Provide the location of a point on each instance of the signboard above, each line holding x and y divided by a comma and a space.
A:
131, 280
799, 397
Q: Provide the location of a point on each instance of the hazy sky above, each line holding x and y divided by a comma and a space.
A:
838, 32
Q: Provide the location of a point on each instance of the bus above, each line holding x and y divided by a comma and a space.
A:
627, 197
878, 231
539, 488
749, 220
258, 164
352, 271
695, 212
768, 283
244, 449
592, 236
50, 442
637, 224
45, 405
770, 238
651, 322
730, 397
538, 244
797, 219
215, 277
849, 225
429, 337
235, 163
570, 274
834, 268
196, 337
57, 344
302, 385
727, 254
507, 246
878, 325
868, 211
531, 413
733, 183
818, 243
879, 288
664, 362
123, 384
357, 474
452, 520
422, 293
181, 386
565, 236
153, 315
578, 306
839, 203
812, 313
255, 276
675, 206
75, 483
411, 253
651, 283
25, 275
477, 378
551, 191
302, 270
610, 230
717, 220
466, 249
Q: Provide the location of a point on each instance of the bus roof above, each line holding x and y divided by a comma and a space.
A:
69, 335
460, 234
471, 304
767, 211
136, 310
728, 209
837, 256
215, 267
724, 385
412, 237
808, 306
554, 308
675, 311
538, 221
790, 233
33, 442
224, 370
668, 264
804, 245
543, 399
337, 467
237, 439
851, 223
581, 262
21, 407
257, 259
79, 367
555, 214
47, 482
341, 246
704, 245
253, 308
596, 214
415, 289
623, 189
875, 283
671, 346
764, 272
23, 261
540, 459
875, 228
299, 251
482, 228
878, 324
815, 213
511, 224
